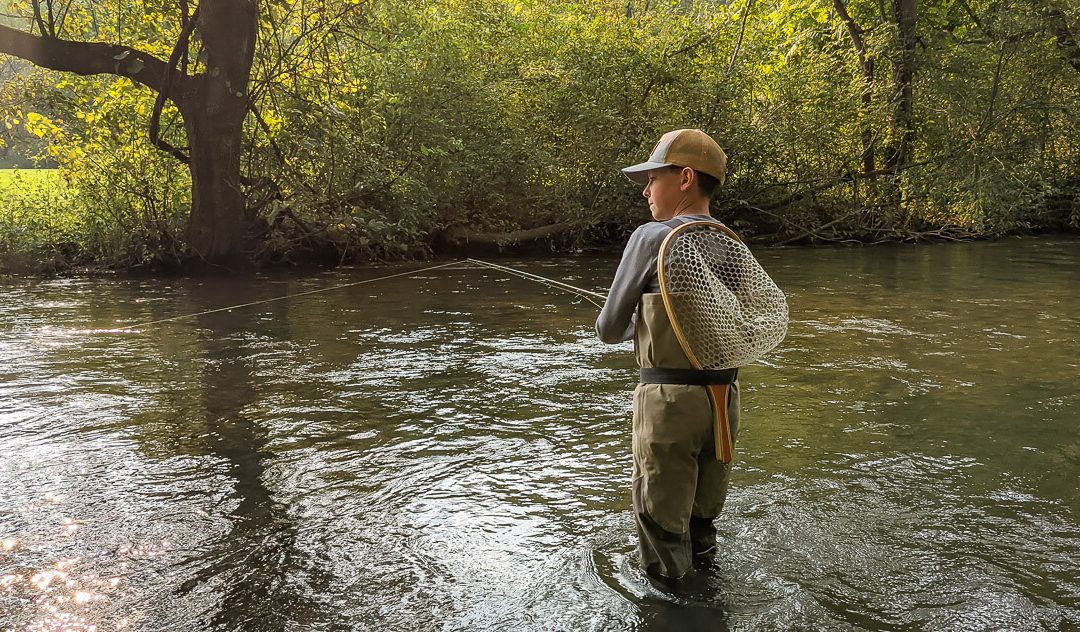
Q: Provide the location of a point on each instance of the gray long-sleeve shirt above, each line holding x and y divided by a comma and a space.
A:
636, 276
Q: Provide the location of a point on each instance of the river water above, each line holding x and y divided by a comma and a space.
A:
450, 451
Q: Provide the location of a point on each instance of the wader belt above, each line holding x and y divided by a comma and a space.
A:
691, 377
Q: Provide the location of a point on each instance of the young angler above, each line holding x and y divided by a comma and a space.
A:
679, 486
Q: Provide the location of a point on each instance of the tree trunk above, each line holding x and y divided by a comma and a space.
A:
900, 152
1066, 40
214, 120
866, 67
217, 228
213, 105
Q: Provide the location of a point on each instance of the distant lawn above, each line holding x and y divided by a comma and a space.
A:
32, 194
29, 176
29, 184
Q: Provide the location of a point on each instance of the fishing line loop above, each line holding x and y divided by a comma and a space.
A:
281, 298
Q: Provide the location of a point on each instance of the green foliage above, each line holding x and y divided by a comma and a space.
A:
502, 115
38, 221
130, 200
125, 201
386, 123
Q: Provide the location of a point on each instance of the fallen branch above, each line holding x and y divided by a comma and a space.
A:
815, 232
462, 236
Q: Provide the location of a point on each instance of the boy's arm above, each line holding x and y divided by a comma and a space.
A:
638, 266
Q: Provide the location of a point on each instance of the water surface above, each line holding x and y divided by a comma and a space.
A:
450, 451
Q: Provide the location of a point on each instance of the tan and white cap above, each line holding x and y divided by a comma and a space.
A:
683, 148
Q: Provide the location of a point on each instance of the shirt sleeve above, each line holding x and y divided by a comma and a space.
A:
636, 269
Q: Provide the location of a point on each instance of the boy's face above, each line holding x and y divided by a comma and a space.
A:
667, 191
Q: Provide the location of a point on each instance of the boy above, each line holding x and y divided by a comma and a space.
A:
678, 485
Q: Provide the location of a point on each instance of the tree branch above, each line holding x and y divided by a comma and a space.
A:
854, 32
462, 236
92, 58
180, 50
866, 66
742, 32
38, 19
988, 118
976, 20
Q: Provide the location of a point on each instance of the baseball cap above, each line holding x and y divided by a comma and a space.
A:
682, 148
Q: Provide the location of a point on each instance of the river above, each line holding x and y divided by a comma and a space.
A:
450, 451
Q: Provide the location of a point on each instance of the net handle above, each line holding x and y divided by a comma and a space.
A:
661, 277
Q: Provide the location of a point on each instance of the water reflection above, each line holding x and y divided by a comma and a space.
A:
254, 570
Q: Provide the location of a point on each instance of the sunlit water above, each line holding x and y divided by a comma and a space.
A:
450, 451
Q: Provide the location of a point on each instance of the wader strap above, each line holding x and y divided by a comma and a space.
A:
691, 377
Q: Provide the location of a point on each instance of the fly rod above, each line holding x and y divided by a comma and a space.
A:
586, 294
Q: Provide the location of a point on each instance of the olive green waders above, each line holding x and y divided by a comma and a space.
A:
679, 486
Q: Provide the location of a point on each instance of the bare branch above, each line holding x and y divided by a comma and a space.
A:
853, 30
988, 118
742, 32
975, 19
38, 19
179, 50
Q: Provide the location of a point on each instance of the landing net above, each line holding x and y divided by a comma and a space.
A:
725, 309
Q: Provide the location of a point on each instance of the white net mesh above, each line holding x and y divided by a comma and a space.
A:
727, 309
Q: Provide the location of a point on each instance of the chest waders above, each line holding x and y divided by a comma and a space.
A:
716, 310
679, 485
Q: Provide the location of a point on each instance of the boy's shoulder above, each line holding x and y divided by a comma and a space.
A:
654, 231
647, 239
651, 230
649, 235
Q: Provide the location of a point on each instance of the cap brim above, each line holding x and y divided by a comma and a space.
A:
640, 172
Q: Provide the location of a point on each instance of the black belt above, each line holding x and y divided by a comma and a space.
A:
691, 377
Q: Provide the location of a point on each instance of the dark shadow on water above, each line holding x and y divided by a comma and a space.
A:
256, 572
684, 618
696, 602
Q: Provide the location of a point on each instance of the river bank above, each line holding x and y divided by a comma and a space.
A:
44, 230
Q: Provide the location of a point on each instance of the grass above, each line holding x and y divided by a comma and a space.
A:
29, 177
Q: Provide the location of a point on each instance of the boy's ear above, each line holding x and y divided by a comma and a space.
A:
686, 178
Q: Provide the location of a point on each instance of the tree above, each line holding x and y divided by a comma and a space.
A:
866, 67
213, 103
